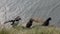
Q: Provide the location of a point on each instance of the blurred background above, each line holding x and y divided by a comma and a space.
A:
26, 9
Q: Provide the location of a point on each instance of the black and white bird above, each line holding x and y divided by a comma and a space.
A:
13, 21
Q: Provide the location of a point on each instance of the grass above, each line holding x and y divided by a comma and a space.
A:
35, 30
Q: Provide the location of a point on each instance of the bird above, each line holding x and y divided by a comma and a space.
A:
46, 23
29, 23
16, 19
13, 21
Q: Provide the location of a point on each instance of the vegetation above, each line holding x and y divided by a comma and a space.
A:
35, 30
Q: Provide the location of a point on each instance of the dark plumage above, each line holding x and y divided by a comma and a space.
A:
16, 19
13, 21
29, 24
46, 23
9, 21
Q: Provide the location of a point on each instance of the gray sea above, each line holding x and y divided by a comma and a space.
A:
26, 9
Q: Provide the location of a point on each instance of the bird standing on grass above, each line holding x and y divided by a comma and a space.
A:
46, 23
29, 23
